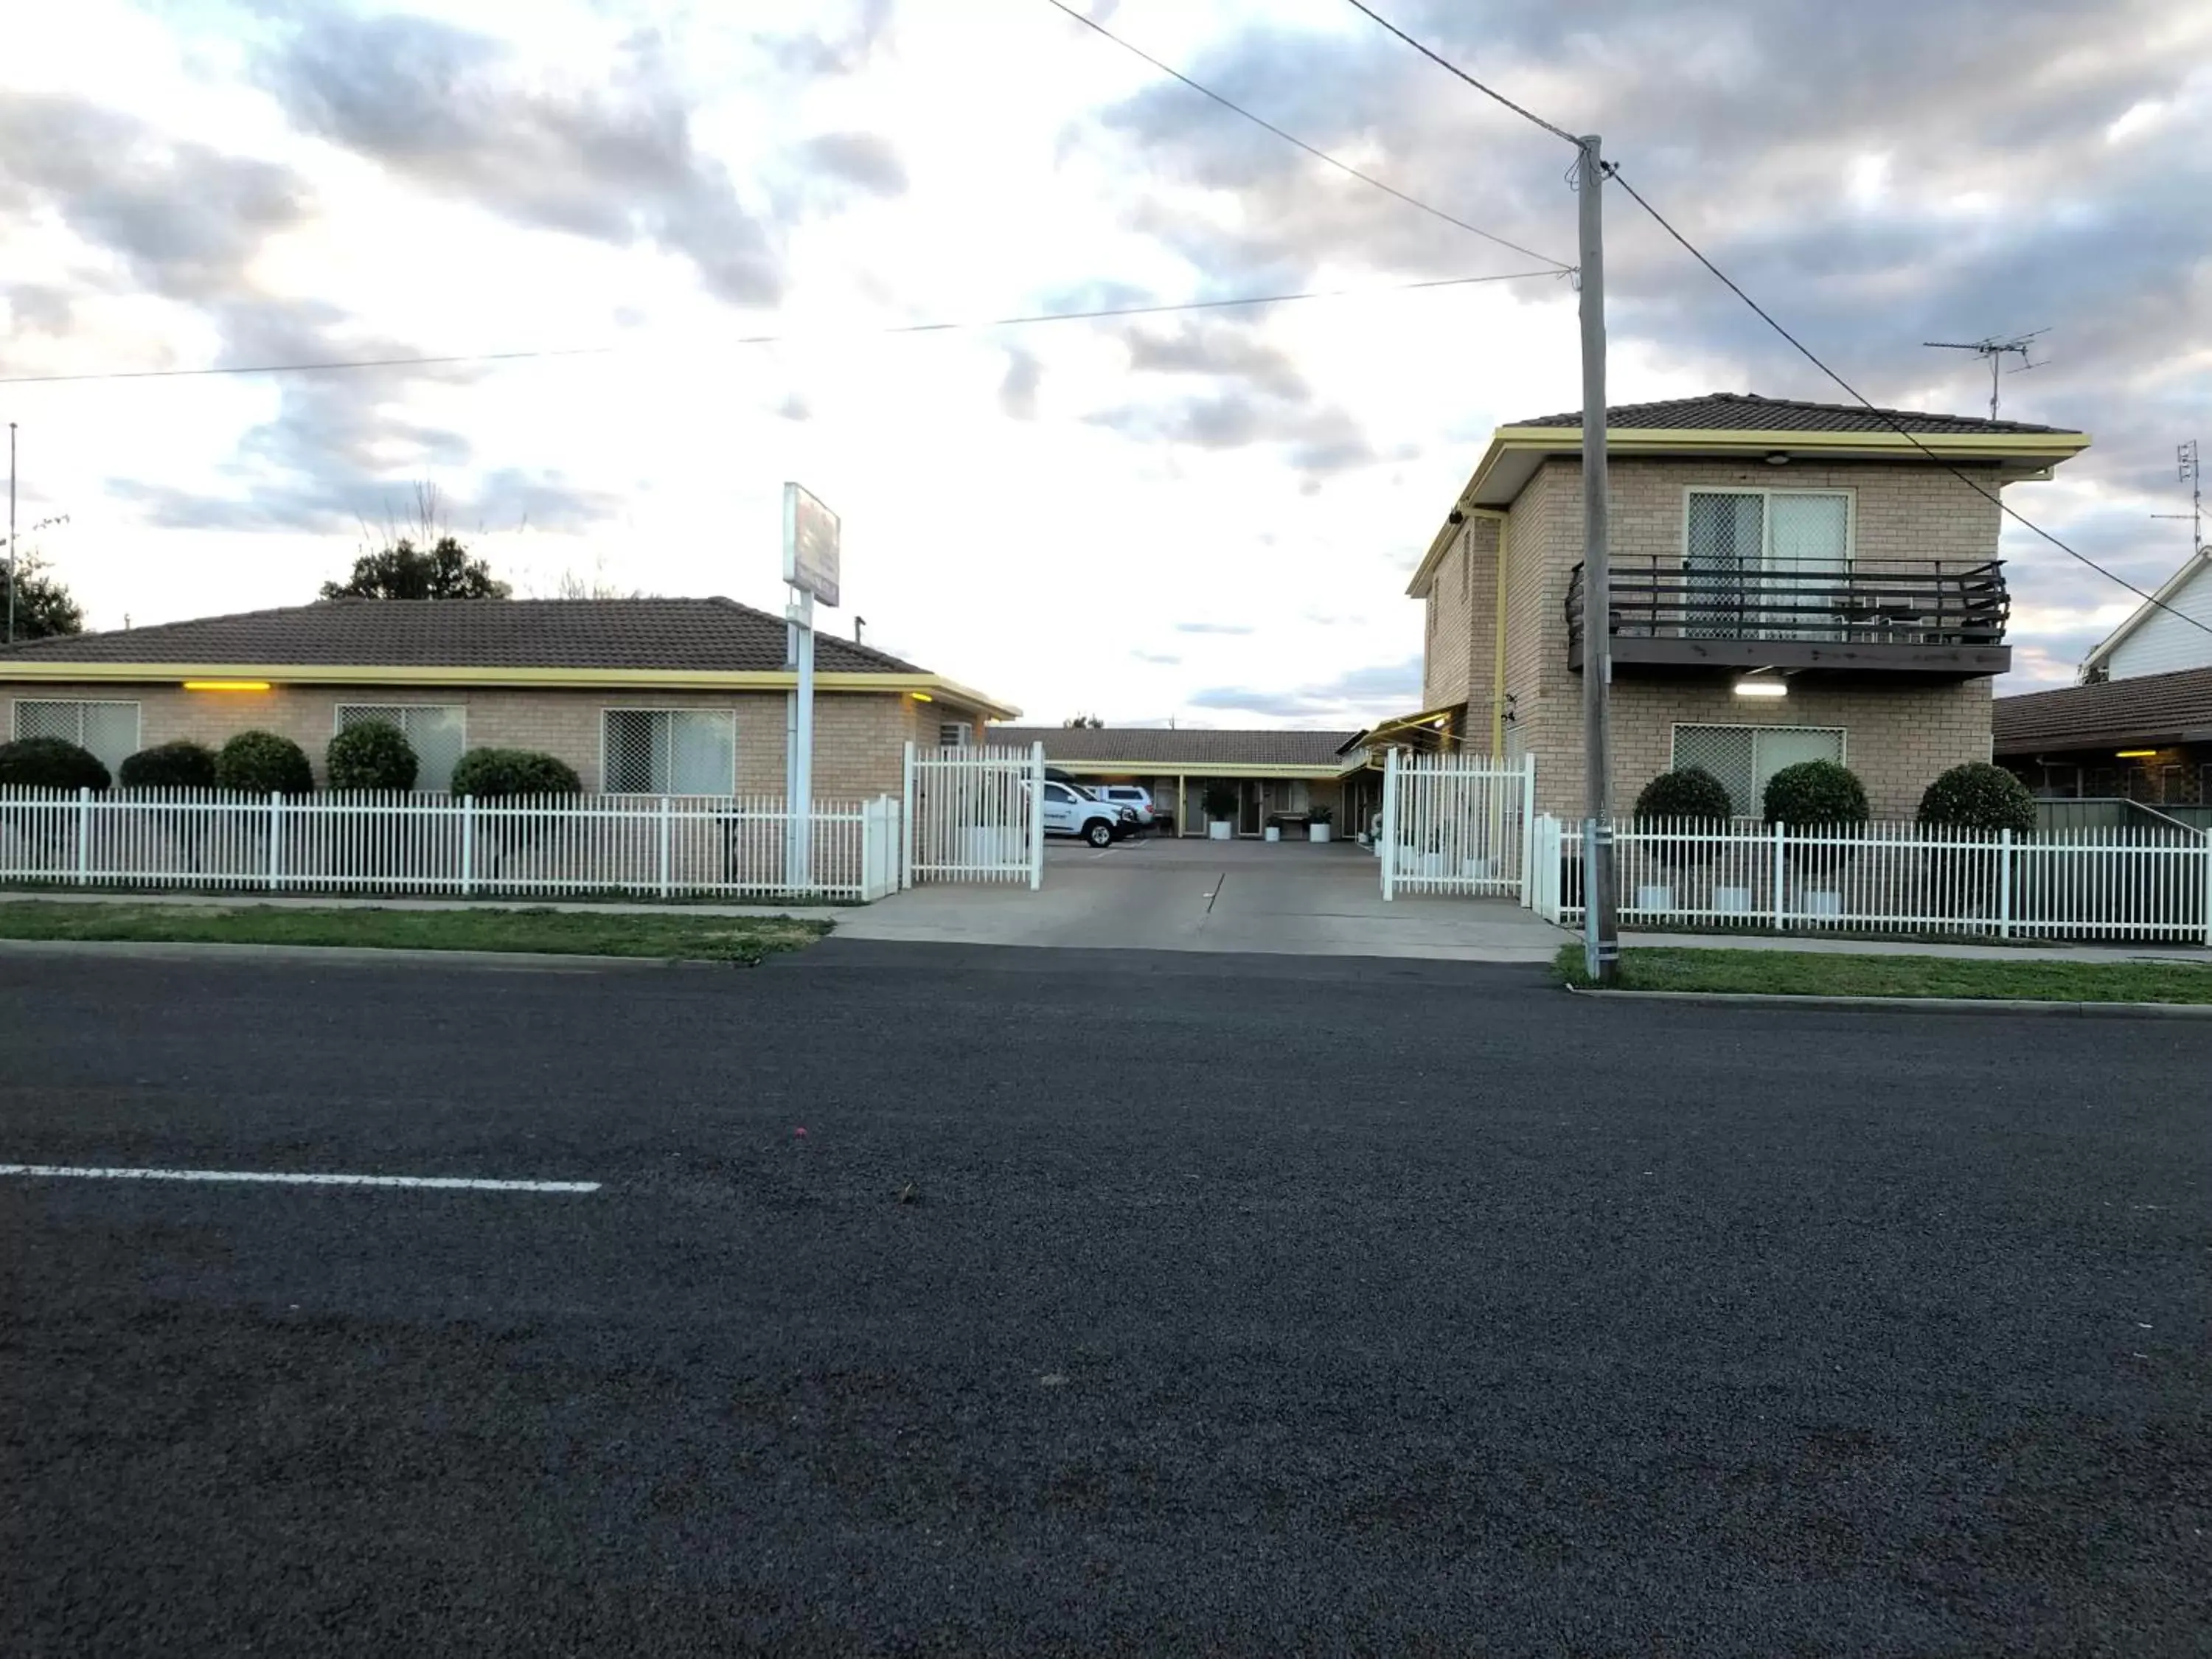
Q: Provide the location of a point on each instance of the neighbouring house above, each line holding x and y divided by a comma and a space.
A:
1278, 774
646, 696
2144, 738
1791, 582
2170, 630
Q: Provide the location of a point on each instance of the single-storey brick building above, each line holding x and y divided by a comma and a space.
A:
1275, 774
647, 696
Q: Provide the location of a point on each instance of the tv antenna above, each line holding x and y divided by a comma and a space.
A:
2192, 474
1996, 350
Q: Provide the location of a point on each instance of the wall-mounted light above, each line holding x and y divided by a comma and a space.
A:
922, 696
1778, 458
2138, 754
1761, 685
226, 685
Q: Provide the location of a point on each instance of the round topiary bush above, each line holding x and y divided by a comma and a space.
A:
371, 755
263, 763
1815, 795
1220, 800
1979, 796
1688, 792
182, 765
50, 763
494, 773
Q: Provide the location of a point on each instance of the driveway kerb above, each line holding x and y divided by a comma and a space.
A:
347, 955
1918, 1004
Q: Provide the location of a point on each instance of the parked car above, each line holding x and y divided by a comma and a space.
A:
1071, 809
1138, 801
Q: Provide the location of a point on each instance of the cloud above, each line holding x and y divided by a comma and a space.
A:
1360, 695
1316, 442
1163, 658
1210, 628
794, 407
865, 160
458, 113
1018, 390
1220, 350
836, 52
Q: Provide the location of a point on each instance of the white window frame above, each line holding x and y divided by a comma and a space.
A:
338, 712
1842, 735
1849, 492
728, 715
137, 720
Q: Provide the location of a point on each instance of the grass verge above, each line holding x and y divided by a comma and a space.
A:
1808, 973
564, 933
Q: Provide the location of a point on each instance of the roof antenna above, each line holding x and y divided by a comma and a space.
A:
2192, 475
1996, 348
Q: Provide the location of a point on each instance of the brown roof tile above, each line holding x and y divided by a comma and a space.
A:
1160, 747
705, 635
1744, 411
2150, 708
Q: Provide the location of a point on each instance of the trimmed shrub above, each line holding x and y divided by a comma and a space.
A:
1815, 795
182, 765
1221, 802
50, 763
371, 755
1689, 793
263, 763
494, 773
1323, 814
1979, 796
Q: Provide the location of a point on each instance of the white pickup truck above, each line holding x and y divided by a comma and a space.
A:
1070, 810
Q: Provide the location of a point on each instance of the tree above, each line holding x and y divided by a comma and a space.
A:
403, 571
1086, 722
44, 608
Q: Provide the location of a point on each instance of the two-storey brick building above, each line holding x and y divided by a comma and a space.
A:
1791, 582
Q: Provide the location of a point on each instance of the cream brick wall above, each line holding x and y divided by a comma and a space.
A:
1899, 736
860, 738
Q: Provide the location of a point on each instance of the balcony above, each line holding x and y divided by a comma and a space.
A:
1928, 618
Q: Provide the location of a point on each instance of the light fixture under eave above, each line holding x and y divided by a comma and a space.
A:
226, 685
922, 696
2135, 754
1761, 685
1778, 458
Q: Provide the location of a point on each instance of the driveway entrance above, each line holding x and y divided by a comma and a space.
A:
1280, 898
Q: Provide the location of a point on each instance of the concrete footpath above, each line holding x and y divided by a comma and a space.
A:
1818, 945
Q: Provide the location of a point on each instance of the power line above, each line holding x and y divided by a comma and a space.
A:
1292, 138
1887, 416
973, 325
1488, 92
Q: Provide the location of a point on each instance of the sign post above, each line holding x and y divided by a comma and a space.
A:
811, 552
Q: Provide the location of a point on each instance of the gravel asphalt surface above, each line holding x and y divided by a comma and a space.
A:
1031, 1302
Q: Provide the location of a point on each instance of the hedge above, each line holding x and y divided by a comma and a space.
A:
263, 764
1815, 794
371, 755
493, 774
181, 765
51, 763
1979, 796
1689, 793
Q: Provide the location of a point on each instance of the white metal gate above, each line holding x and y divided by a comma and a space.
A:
1456, 824
972, 814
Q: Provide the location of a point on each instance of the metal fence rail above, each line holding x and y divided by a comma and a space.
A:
974, 814
1455, 824
661, 846
2148, 883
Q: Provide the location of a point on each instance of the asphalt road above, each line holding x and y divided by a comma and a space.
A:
1240, 1305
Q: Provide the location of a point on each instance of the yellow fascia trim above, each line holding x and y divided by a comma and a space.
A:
1992, 445
1194, 768
1425, 576
578, 680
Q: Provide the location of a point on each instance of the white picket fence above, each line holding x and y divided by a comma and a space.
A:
653, 846
974, 814
1455, 824
2149, 883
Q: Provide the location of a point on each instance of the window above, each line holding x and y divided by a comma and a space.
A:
109, 730
437, 733
1743, 757
954, 734
1733, 538
1059, 793
670, 751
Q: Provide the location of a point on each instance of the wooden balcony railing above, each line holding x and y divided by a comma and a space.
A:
1914, 616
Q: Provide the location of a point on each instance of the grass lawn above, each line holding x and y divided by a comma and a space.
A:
1806, 974
713, 938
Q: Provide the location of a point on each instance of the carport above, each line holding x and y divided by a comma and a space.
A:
1284, 776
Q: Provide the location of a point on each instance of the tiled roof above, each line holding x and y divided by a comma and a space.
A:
2152, 708
1744, 411
704, 635
1160, 747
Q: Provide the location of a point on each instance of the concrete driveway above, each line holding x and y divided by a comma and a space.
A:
1287, 898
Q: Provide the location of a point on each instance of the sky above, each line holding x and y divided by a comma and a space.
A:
1208, 517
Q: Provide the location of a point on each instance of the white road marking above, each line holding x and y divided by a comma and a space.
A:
466, 1183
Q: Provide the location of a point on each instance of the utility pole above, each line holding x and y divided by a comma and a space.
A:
11, 533
1601, 920
2192, 474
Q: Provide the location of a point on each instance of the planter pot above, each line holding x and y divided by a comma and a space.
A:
1272, 832
1478, 869
1732, 900
1218, 831
1651, 895
1820, 902
1430, 864
1317, 832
